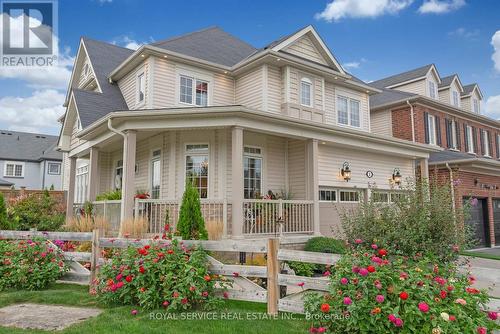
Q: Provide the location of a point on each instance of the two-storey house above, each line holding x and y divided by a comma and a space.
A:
422, 107
238, 122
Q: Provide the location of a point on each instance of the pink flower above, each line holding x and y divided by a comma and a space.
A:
391, 317
133, 312
398, 322
344, 281
184, 301
43, 254
119, 277
493, 315
355, 269
376, 259
358, 241
313, 330
204, 294
321, 329
119, 284
461, 301
326, 273
481, 330
422, 306
363, 271
347, 301
380, 298
165, 303
301, 284
225, 295
374, 246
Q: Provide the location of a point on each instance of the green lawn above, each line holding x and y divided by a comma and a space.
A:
119, 319
480, 255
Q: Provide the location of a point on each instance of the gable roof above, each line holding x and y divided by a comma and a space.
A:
400, 78
210, 44
388, 96
469, 89
24, 146
448, 81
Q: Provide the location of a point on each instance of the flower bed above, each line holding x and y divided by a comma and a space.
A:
372, 291
29, 264
174, 277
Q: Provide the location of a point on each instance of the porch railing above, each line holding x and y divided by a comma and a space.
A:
160, 211
109, 210
277, 216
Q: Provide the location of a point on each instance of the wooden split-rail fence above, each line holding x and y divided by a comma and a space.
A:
243, 287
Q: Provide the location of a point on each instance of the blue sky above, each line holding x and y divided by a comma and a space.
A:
372, 38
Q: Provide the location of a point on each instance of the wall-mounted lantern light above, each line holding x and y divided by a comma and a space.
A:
346, 171
396, 176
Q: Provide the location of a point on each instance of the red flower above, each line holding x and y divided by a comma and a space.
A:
142, 251
371, 269
184, 301
236, 275
129, 278
147, 247
192, 288
301, 284
452, 318
175, 294
170, 251
325, 308
443, 294
450, 288
207, 278
422, 306
142, 270
165, 303
225, 295
473, 291
204, 294
382, 252
403, 295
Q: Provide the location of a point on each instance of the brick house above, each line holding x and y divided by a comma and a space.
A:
423, 107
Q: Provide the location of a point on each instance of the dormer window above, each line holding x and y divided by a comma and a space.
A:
456, 99
432, 89
141, 88
306, 92
475, 105
193, 91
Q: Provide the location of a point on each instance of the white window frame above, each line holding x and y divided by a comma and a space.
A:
381, 192
470, 139
14, 164
188, 153
349, 111
140, 75
455, 98
194, 79
432, 89
307, 82
349, 190
153, 159
454, 141
486, 143
116, 168
476, 106
332, 191
58, 164
259, 156
81, 183
431, 124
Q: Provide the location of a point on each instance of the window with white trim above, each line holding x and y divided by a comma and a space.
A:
13, 169
349, 196
118, 174
81, 184
470, 139
306, 92
456, 99
380, 197
431, 124
454, 139
432, 89
475, 104
155, 174
197, 167
193, 91
486, 143
54, 168
141, 88
252, 172
327, 195
348, 111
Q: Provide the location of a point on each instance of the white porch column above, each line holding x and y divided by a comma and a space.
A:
237, 182
313, 178
128, 179
70, 196
424, 169
93, 187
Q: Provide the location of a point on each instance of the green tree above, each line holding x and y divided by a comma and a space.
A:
3, 212
191, 225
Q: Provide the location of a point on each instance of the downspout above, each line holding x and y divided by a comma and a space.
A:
112, 129
412, 121
453, 205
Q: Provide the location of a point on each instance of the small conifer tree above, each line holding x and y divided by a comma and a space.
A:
3, 212
191, 225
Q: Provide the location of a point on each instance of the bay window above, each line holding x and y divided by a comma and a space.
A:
197, 167
252, 172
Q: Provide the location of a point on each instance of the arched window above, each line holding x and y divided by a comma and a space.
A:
306, 92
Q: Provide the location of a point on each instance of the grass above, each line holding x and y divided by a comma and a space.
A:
119, 320
479, 254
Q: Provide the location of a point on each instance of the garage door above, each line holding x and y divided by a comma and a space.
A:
496, 217
478, 221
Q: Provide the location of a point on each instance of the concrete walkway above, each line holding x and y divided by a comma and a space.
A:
486, 272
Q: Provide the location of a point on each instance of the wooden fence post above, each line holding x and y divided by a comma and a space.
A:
272, 276
94, 257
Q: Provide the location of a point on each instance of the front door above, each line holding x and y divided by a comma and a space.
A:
478, 221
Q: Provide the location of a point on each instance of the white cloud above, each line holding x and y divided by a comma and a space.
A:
495, 41
36, 113
127, 42
338, 9
465, 33
492, 107
440, 6
56, 76
352, 64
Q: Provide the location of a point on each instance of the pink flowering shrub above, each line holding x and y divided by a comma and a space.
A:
29, 264
164, 273
373, 291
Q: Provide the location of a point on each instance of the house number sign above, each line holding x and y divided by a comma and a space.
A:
369, 174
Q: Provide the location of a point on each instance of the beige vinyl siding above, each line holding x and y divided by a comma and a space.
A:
223, 90
83, 79
105, 173
295, 78
305, 48
330, 217
330, 160
330, 113
416, 87
74, 140
297, 168
445, 96
128, 86
164, 83
249, 89
381, 122
466, 103
274, 87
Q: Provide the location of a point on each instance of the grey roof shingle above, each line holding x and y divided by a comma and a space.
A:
446, 81
105, 58
443, 156
210, 44
25, 146
402, 77
468, 89
389, 96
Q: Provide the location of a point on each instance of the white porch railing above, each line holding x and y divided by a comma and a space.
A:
109, 210
215, 212
277, 216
